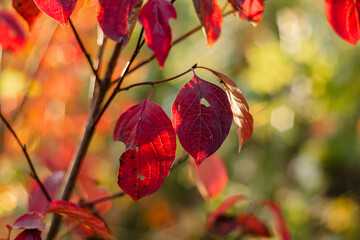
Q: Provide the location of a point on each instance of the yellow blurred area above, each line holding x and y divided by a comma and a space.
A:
11, 196
12, 83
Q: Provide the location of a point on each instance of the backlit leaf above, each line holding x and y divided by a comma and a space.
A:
29, 234
251, 10
343, 16
280, 224
59, 10
30, 220
154, 17
250, 225
239, 107
202, 117
210, 177
27, 9
82, 215
12, 35
150, 143
118, 18
210, 17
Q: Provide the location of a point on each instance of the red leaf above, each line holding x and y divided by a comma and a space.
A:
150, 143
27, 9
344, 18
154, 17
118, 18
251, 10
202, 117
59, 10
12, 35
240, 109
211, 18
37, 199
29, 234
210, 177
30, 220
221, 209
251, 225
83, 216
224, 225
280, 224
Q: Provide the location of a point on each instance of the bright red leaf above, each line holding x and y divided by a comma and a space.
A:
30, 220
118, 18
60, 10
222, 208
344, 18
239, 107
12, 35
210, 177
27, 9
37, 199
82, 215
202, 117
150, 143
211, 18
280, 224
29, 234
251, 10
250, 225
154, 17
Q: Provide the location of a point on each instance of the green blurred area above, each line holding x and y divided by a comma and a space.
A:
302, 83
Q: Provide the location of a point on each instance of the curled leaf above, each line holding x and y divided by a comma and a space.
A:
250, 225
250, 10
30, 220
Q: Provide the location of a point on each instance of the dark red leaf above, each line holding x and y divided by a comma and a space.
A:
27, 9
251, 225
221, 209
82, 215
37, 199
150, 143
118, 18
251, 10
210, 177
30, 220
29, 234
60, 10
202, 117
12, 35
280, 224
154, 17
344, 18
211, 18
224, 225
240, 109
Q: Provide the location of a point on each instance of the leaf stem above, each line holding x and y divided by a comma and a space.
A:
23, 148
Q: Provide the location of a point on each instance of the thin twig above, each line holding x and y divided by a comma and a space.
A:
23, 148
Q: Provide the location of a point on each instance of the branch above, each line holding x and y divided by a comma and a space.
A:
23, 148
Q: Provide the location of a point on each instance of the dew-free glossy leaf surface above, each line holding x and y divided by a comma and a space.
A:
211, 19
251, 10
59, 10
29, 234
27, 9
250, 225
202, 117
150, 143
12, 35
154, 17
280, 224
239, 107
82, 215
118, 18
30, 220
344, 18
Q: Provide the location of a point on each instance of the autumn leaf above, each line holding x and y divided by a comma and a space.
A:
30, 220
12, 35
82, 215
150, 143
27, 9
202, 117
239, 107
210, 177
210, 17
118, 18
250, 10
250, 225
154, 17
280, 224
29, 234
343, 16
59, 10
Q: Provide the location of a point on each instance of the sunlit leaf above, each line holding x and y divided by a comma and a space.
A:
251, 10
27, 9
59, 10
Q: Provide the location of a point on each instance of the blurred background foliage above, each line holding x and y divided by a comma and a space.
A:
302, 83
